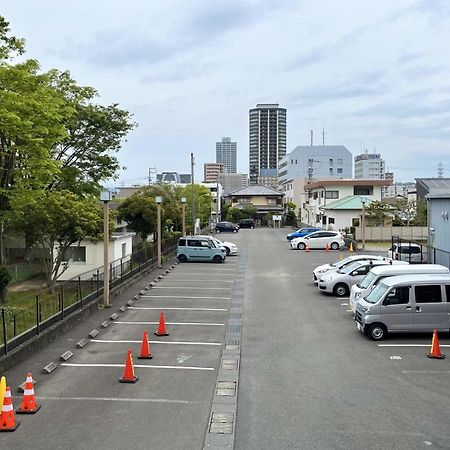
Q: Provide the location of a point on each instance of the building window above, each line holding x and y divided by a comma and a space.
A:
330, 220
74, 254
339, 170
271, 201
315, 195
332, 194
124, 250
339, 161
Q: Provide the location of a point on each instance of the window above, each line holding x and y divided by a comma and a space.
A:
447, 291
182, 242
124, 250
74, 254
428, 294
271, 201
339, 170
315, 195
330, 220
197, 243
397, 296
332, 194
339, 161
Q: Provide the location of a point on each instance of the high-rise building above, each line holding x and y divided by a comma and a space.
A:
369, 166
226, 154
232, 182
267, 142
211, 171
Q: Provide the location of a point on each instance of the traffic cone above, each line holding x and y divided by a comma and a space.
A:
340, 257
128, 373
29, 404
162, 326
327, 248
145, 348
435, 352
8, 417
351, 247
307, 250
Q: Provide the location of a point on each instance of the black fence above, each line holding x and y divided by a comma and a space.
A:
428, 254
28, 313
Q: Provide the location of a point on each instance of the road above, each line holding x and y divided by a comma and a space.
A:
307, 378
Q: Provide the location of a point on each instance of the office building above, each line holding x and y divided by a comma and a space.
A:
226, 154
267, 142
211, 171
173, 178
369, 166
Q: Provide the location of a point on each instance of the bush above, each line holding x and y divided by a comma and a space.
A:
5, 277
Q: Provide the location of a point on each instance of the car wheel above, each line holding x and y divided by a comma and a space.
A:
376, 332
234, 231
252, 227
217, 230
182, 258
341, 289
334, 246
217, 259
227, 251
301, 246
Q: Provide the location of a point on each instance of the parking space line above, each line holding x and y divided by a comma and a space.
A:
344, 304
426, 371
193, 287
117, 399
174, 297
105, 341
173, 323
179, 309
411, 345
203, 280
348, 310
139, 366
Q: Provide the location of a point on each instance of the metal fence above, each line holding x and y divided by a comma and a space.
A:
29, 313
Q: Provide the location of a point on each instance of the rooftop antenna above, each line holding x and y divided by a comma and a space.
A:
440, 170
312, 137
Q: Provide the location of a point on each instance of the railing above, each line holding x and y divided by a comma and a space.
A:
29, 314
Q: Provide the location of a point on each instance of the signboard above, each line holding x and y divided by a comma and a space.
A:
276, 218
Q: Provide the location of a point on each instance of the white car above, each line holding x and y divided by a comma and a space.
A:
319, 240
340, 282
230, 248
407, 251
339, 264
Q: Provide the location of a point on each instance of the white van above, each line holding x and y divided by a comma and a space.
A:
405, 304
407, 251
378, 273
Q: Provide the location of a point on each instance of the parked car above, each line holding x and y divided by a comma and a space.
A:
319, 271
226, 227
407, 251
196, 248
230, 248
377, 274
340, 282
301, 233
319, 240
405, 304
247, 223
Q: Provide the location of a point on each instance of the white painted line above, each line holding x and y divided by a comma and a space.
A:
198, 280
347, 310
104, 341
344, 298
395, 357
139, 366
411, 345
115, 399
164, 308
172, 323
425, 371
184, 296
193, 287
344, 304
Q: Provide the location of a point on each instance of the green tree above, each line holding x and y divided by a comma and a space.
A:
406, 210
421, 218
249, 212
378, 212
202, 197
291, 218
234, 215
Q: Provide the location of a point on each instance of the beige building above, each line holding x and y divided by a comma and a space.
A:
211, 171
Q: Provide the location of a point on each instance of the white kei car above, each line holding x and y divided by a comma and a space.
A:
319, 240
230, 248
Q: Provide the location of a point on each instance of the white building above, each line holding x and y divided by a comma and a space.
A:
369, 166
216, 191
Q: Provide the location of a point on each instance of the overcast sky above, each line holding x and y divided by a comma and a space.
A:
375, 72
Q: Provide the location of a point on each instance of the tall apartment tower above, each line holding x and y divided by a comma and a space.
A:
226, 154
267, 142
369, 166
211, 171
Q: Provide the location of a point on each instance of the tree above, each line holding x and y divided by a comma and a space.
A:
9, 46
421, 218
406, 210
202, 197
234, 215
378, 212
249, 212
291, 218
55, 220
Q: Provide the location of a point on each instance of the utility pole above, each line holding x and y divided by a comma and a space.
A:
193, 194
312, 137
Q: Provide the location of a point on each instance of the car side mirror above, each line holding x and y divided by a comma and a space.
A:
387, 302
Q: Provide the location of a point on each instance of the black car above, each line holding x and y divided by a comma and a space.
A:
247, 223
226, 227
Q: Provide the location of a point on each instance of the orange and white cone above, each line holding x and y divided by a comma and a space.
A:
162, 326
435, 351
327, 248
29, 404
8, 417
145, 348
307, 250
128, 373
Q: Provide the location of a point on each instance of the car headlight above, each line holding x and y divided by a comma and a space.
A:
366, 309
322, 270
326, 280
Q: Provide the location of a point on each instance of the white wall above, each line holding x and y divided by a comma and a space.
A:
342, 218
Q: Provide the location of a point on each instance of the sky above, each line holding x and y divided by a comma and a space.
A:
375, 74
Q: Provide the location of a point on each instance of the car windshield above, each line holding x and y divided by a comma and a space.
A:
341, 262
350, 267
376, 295
367, 280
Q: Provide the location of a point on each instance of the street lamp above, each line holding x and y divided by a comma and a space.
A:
363, 222
183, 205
106, 197
159, 200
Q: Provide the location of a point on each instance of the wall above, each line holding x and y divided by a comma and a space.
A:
386, 233
440, 238
343, 218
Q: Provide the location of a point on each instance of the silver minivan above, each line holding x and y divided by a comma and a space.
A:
405, 304
379, 273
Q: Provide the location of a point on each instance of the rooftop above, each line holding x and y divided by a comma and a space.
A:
350, 202
255, 190
345, 182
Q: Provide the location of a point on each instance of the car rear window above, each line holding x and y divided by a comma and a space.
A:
182, 242
409, 250
428, 294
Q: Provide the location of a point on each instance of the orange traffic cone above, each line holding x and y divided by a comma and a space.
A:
327, 248
8, 417
307, 250
128, 373
435, 352
29, 404
340, 257
162, 326
351, 247
145, 348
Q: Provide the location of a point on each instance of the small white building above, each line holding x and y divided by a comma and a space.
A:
88, 255
216, 194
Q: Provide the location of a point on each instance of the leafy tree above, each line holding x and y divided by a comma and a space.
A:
291, 218
378, 212
421, 218
249, 212
9, 46
5, 278
56, 220
234, 215
202, 197
406, 210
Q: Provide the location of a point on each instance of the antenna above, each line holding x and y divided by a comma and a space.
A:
440, 170
323, 133
312, 137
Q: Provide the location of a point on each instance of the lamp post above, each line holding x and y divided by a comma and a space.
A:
105, 197
158, 200
363, 222
183, 205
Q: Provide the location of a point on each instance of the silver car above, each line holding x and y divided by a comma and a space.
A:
340, 282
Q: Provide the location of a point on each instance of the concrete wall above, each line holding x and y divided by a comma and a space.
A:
386, 233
